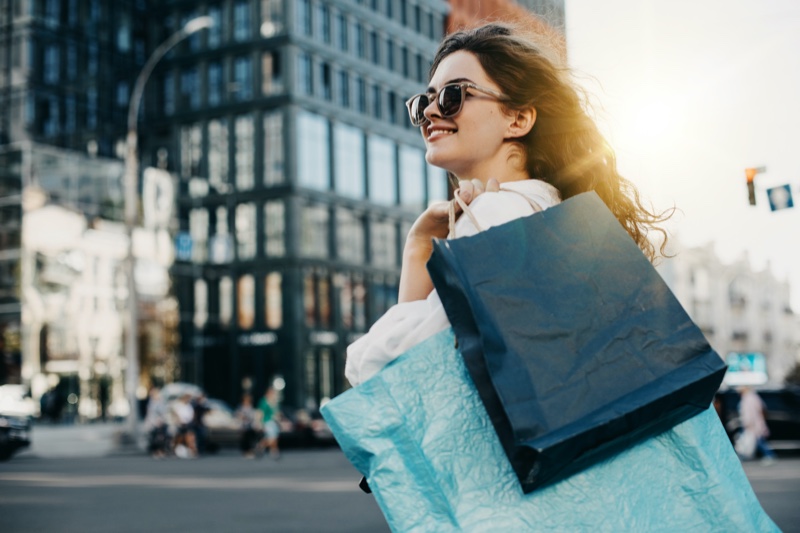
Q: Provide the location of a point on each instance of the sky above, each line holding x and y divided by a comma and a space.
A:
689, 94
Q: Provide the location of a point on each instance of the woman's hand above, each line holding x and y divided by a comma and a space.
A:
415, 283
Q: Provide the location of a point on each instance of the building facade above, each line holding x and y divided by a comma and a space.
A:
298, 176
739, 309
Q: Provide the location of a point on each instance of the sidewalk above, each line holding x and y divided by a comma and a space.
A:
77, 440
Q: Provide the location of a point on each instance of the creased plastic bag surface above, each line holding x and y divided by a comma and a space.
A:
420, 434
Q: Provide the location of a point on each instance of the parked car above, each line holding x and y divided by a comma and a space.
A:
782, 414
17, 409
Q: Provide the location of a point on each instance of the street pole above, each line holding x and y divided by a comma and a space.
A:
131, 211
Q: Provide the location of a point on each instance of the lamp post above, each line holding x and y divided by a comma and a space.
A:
131, 203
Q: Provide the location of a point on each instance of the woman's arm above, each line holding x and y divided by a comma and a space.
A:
415, 282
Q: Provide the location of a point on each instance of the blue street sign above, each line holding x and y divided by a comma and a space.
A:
183, 246
780, 197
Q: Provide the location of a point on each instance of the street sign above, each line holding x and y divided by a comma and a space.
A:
745, 368
780, 197
183, 246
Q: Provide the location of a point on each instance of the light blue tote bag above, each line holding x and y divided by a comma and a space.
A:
420, 435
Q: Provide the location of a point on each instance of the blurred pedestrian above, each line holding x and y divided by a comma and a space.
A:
270, 415
156, 426
184, 444
250, 434
200, 407
751, 413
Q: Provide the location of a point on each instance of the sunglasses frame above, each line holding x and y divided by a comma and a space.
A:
463, 86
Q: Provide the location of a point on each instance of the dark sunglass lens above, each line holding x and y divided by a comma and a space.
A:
450, 100
418, 106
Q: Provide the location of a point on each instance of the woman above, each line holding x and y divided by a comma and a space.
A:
502, 117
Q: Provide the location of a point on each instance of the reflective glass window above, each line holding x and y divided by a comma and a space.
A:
198, 229
215, 31
243, 78
382, 170
314, 231
349, 175
349, 236
246, 231
412, 177
437, 184
245, 152
200, 303
273, 148
246, 299
225, 300
274, 228
273, 300
383, 243
271, 76
218, 155
241, 20
214, 83
271, 17
313, 161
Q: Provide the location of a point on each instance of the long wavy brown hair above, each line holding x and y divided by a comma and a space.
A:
564, 147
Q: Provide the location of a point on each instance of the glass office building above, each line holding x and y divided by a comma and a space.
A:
299, 177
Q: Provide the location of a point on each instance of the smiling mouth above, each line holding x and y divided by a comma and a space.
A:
440, 132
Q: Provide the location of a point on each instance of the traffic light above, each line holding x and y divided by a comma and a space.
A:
751, 186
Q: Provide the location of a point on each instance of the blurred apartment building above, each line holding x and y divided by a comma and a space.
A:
296, 178
742, 311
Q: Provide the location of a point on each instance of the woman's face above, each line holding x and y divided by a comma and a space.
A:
470, 144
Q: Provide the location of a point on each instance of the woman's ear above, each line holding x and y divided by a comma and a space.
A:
523, 121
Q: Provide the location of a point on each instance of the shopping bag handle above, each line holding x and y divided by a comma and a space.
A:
464, 207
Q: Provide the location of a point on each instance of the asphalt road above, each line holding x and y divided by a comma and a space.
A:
306, 491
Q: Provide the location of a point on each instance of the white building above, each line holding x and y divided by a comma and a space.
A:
738, 309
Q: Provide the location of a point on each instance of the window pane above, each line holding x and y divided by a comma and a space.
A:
305, 81
190, 89
214, 83
313, 163
271, 17
245, 153
382, 178
437, 184
241, 20
349, 174
273, 148
309, 300
215, 31
383, 243
349, 236
191, 144
246, 230
274, 224
218, 155
198, 229
345, 301
243, 78
273, 304
412, 177
246, 293
314, 231
225, 300
271, 77
304, 17
324, 301
200, 303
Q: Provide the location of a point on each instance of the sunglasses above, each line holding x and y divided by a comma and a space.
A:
449, 98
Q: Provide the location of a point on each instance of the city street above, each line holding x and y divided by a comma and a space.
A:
309, 490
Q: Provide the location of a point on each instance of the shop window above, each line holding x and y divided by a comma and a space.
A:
225, 301
273, 300
246, 292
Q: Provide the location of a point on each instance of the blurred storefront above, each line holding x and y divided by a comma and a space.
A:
70, 289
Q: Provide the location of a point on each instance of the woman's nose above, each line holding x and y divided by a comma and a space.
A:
432, 110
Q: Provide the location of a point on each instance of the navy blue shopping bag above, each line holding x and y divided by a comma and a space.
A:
576, 345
